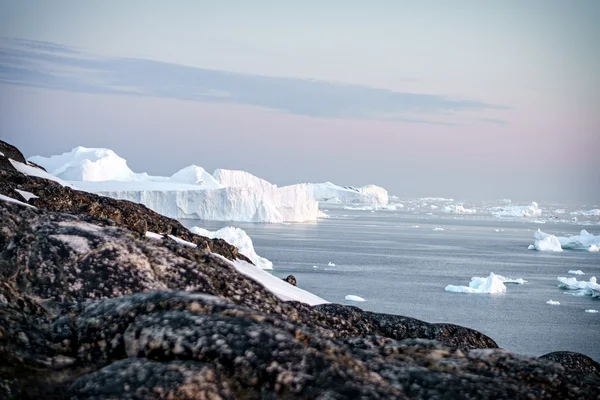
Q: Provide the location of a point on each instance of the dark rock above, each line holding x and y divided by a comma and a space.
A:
11, 151
572, 361
291, 279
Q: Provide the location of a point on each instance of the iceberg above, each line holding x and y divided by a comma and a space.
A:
531, 210
330, 193
576, 272
351, 297
238, 238
590, 288
491, 285
548, 242
189, 193
553, 303
459, 209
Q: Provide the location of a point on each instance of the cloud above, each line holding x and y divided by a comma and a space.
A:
50, 65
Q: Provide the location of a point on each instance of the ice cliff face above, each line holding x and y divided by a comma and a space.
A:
189, 193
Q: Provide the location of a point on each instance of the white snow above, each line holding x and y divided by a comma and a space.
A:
590, 288
26, 195
238, 238
583, 241
11, 200
2, 154
331, 264
33, 171
552, 302
492, 284
189, 193
153, 235
182, 242
351, 297
277, 286
591, 311
531, 210
330, 193
576, 272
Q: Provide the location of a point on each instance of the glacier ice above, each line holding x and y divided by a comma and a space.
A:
238, 238
492, 284
548, 242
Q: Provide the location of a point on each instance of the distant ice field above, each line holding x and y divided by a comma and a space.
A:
398, 263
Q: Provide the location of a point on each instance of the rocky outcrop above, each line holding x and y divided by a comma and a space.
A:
92, 309
574, 361
291, 279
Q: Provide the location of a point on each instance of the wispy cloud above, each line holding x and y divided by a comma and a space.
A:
51, 65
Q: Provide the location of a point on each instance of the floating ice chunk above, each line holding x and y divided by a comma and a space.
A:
459, 209
352, 297
26, 195
594, 249
591, 311
552, 302
433, 207
590, 288
560, 211
331, 264
415, 226
589, 213
583, 241
576, 272
492, 284
238, 238
531, 210
437, 228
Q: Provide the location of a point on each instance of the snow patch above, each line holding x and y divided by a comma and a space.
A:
182, 242
15, 201
26, 195
33, 171
152, 235
238, 238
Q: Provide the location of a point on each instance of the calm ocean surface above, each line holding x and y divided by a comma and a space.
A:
399, 268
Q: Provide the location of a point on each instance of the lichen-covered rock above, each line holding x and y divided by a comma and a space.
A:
291, 279
574, 361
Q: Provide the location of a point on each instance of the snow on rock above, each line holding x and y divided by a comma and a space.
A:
238, 238
275, 285
492, 284
26, 195
576, 272
87, 164
11, 200
40, 173
351, 297
583, 241
590, 288
553, 303
182, 242
153, 235
531, 210
331, 193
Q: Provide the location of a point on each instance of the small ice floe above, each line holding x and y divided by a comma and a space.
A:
492, 284
315, 267
351, 297
547, 242
331, 264
553, 303
590, 288
591, 311
576, 272
415, 226
594, 249
437, 229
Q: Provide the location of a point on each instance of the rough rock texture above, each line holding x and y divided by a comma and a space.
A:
92, 309
291, 279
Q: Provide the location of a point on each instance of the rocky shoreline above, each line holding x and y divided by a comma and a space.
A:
92, 309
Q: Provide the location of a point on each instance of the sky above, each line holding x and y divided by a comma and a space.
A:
464, 99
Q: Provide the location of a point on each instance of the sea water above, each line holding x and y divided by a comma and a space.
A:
400, 264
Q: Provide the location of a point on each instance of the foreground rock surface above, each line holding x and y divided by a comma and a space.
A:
91, 309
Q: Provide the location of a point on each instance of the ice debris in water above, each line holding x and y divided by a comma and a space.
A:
331, 264
548, 242
492, 284
438, 229
591, 311
590, 288
576, 272
552, 302
351, 297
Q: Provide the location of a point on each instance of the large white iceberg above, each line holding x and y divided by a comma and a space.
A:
492, 284
459, 209
238, 238
548, 242
532, 210
330, 193
189, 193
